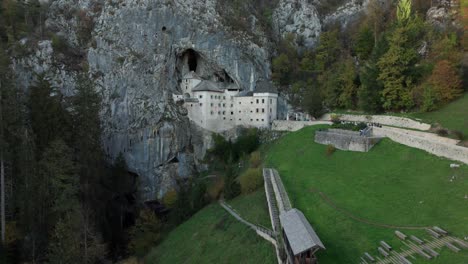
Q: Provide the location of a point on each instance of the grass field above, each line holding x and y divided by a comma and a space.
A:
212, 236
253, 208
454, 116
392, 184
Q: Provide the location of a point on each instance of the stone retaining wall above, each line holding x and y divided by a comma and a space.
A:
289, 125
346, 140
437, 148
382, 119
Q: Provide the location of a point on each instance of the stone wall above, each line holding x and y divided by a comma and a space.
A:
289, 125
383, 119
346, 140
438, 148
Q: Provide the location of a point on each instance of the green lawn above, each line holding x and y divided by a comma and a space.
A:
454, 116
253, 208
212, 236
391, 184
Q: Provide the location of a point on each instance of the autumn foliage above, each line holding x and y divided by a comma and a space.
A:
446, 82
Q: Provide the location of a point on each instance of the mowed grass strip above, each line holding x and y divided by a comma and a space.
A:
392, 184
212, 236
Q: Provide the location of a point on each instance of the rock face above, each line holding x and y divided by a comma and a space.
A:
137, 54
299, 18
442, 14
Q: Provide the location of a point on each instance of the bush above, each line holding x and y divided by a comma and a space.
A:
255, 159
231, 186
458, 135
330, 150
251, 180
442, 132
215, 189
170, 198
335, 118
59, 44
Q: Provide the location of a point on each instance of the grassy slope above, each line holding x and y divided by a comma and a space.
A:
212, 236
392, 184
253, 208
453, 116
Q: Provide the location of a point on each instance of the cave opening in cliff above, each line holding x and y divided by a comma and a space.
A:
192, 60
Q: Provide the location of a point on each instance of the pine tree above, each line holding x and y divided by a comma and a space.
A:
348, 96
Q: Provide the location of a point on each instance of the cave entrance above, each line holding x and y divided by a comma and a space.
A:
192, 60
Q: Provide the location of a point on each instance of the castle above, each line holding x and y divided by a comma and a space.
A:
220, 106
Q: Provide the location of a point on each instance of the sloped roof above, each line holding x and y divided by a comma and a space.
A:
191, 75
300, 234
207, 86
265, 87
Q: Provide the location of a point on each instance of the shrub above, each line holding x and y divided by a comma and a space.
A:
251, 180
330, 150
215, 189
59, 44
458, 135
231, 186
170, 198
335, 118
255, 159
442, 132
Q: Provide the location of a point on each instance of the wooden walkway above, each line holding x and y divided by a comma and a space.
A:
264, 232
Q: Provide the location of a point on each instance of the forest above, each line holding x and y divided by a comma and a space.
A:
391, 60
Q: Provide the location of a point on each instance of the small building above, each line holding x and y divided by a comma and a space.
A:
300, 240
219, 106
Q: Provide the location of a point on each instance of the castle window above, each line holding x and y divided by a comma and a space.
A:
211, 97
211, 112
257, 101
257, 110
263, 110
224, 97
270, 110
211, 104
219, 105
257, 119
251, 119
224, 118
200, 96
240, 119
232, 113
239, 111
201, 104
263, 101
219, 112
271, 101
224, 112
251, 102
232, 105
224, 105
262, 119
239, 102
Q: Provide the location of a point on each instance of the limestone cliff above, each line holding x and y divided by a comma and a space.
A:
136, 53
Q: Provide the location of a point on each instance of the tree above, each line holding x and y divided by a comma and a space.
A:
231, 186
403, 10
394, 67
446, 82
369, 93
327, 51
364, 43
49, 119
313, 100
282, 70
348, 96
145, 234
